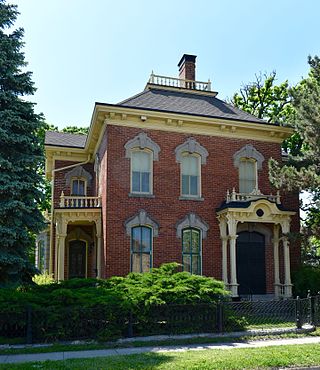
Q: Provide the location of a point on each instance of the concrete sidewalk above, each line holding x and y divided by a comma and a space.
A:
54, 356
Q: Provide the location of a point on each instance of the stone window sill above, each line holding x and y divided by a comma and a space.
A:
137, 195
191, 198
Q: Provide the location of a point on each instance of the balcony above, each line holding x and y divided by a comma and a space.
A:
180, 83
78, 201
256, 194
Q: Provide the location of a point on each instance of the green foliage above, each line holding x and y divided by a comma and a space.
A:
302, 171
306, 279
91, 308
265, 99
20, 153
76, 130
43, 279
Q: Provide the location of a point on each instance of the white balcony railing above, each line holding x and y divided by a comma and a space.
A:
178, 82
78, 201
256, 194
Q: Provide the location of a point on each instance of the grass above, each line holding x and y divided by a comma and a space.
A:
249, 358
57, 347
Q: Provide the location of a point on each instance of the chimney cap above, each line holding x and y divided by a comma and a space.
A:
187, 58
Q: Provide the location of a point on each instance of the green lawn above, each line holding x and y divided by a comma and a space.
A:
251, 358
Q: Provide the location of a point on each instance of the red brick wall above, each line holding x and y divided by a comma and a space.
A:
218, 175
60, 181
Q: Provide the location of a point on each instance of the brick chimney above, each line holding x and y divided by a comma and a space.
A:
187, 67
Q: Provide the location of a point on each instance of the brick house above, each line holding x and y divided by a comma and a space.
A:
172, 174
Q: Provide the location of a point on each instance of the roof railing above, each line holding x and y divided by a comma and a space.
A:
179, 82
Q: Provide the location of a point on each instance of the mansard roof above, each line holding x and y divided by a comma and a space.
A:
182, 102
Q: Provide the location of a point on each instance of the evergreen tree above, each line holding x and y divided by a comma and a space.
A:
20, 154
302, 171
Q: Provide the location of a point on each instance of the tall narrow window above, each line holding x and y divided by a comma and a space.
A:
247, 175
191, 251
141, 249
78, 187
141, 162
190, 175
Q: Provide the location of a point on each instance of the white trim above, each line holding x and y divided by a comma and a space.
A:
193, 221
142, 218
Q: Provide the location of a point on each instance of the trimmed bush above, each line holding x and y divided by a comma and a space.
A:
107, 309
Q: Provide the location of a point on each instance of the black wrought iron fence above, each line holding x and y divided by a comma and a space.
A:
106, 322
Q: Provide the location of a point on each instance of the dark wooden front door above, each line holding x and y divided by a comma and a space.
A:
77, 259
251, 266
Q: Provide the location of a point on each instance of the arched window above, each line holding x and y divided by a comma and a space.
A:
247, 175
142, 151
191, 155
191, 250
190, 175
141, 171
248, 161
141, 249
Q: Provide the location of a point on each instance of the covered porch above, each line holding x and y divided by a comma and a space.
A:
255, 246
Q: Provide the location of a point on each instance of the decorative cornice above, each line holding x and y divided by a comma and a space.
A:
191, 146
142, 218
142, 141
248, 151
192, 220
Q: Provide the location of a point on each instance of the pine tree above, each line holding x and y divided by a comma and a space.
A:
20, 154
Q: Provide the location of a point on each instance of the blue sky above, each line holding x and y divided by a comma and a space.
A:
83, 51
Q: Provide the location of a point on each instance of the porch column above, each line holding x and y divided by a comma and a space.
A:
286, 254
61, 233
99, 247
277, 287
224, 239
232, 227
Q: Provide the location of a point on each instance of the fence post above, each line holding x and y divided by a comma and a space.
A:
298, 313
29, 324
130, 327
220, 316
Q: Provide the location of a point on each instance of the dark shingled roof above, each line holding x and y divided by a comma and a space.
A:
65, 139
187, 103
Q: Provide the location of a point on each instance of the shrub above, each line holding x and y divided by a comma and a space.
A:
93, 308
43, 279
306, 279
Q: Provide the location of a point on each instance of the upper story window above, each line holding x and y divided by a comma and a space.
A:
78, 179
247, 175
142, 151
191, 250
78, 187
248, 161
191, 155
141, 172
190, 175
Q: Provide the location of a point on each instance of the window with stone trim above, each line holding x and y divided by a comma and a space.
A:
142, 151
247, 175
141, 249
190, 175
191, 250
141, 171
191, 155
78, 187
248, 161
